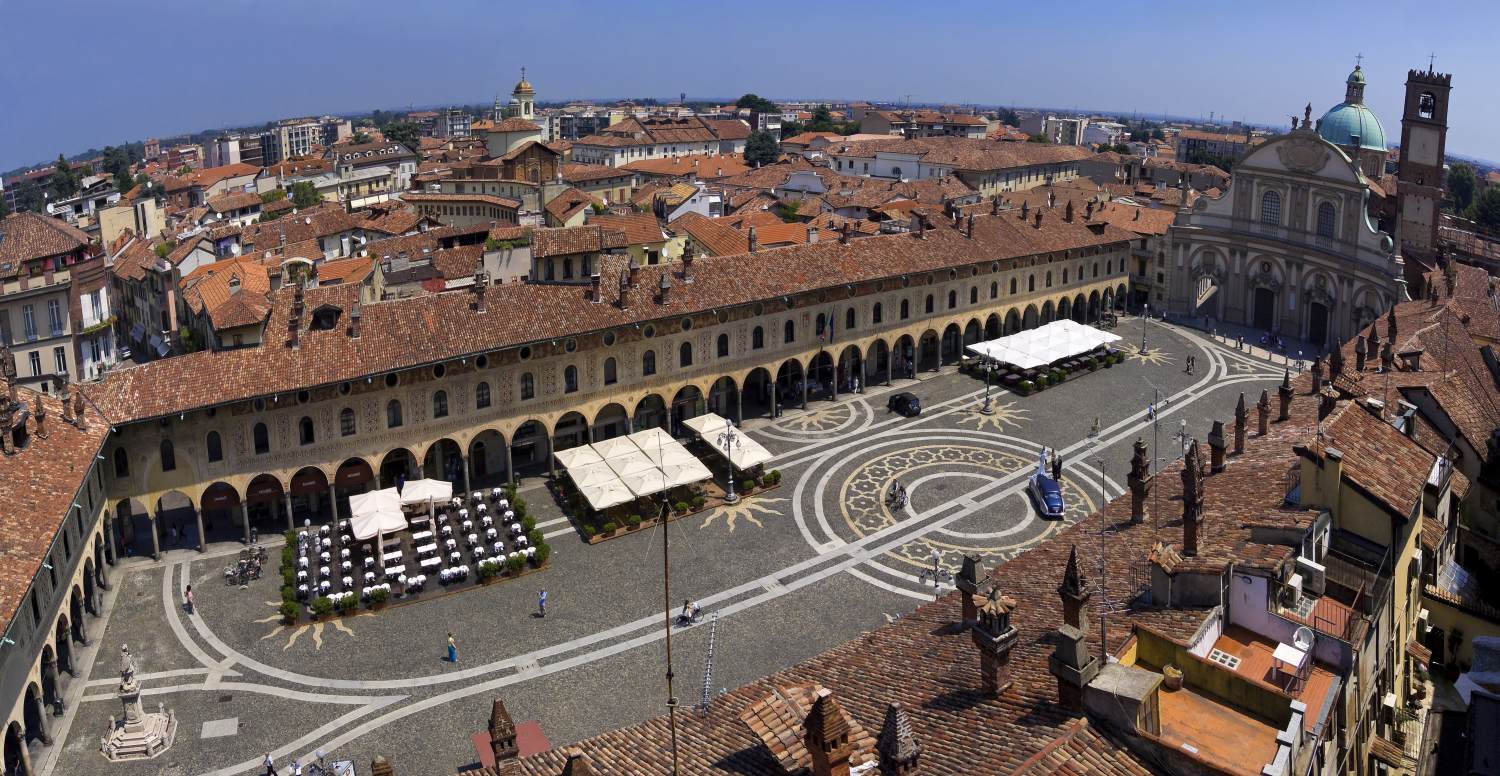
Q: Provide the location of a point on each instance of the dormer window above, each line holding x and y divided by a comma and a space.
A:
325, 318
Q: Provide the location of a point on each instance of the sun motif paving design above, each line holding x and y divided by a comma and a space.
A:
1152, 357
1013, 520
313, 629
745, 509
1001, 418
819, 420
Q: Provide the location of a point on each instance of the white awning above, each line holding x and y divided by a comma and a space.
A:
685, 473
746, 452
374, 513
578, 456
1044, 345
618, 470
606, 493
611, 448
426, 491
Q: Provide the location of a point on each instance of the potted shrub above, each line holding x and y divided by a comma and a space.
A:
589, 530
378, 597
699, 501
680, 507
747, 486
634, 521
608, 528
487, 570
776, 476
1172, 677
528, 522
322, 606
535, 537
289, 611
543, 551
1025, 387
513, 565
1093, 364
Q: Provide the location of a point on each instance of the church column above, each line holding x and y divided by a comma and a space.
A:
287, 500
202, 537
333, 498
245, 517
155, 535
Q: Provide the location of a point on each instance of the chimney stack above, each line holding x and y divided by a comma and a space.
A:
481, 282
917, 225
624, 290
664, 288
1139, 480
1372, 343
502, 734
898, 748
1192, 500
1387, 358
967, 583
812, 235
1075, 593
969, 226
631, 270
594, 294
1241, 418
1390, 325
1025, 210
1071, 662
78, 411
1038, 224
753, 244
1068, 212
1263, 412
1335, 364
1359, 354
1317, 375
354, 316
39, 413
994, 637
1284, 397
67, 401
826, 736
1216, 446
687, 266
7, 423
995, 205
578, 764
844, 233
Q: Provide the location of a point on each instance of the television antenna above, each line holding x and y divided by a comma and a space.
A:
708, 663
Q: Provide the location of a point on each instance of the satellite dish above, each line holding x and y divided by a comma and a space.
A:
1303, 638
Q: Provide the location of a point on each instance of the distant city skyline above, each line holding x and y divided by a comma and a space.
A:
182, 68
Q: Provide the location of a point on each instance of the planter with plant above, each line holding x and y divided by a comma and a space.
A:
322, 606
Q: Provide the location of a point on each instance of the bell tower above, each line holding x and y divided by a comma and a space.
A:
1424, 133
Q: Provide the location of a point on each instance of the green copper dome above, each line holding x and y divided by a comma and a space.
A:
1352, 124
1356, 77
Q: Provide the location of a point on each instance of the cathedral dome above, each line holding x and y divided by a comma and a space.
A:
1352, 125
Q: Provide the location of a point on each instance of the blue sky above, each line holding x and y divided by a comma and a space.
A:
81, 73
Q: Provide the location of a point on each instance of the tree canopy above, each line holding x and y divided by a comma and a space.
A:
304, 194
1009, 118
1461, 186
64, 179
757, 103
761, 148
403, 132
1486, 209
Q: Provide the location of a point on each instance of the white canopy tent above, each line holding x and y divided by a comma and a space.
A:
614, 471
374, 514
746, 452
1043, 345
578, 456
613, 448
426, 491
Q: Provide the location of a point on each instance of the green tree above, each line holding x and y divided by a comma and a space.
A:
403, 132
822, 120
1038, 138
304, 194
1009, 118
757, 103
1486, 209
1157, 134
64, 179
793, 128
761, 148
1461, 186
274, 195
4, 208
361, 138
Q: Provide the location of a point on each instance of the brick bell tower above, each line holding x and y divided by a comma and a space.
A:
1424, 136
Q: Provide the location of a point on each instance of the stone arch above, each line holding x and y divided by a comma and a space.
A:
851, 364
611, 421
952, 343
220, 506
176, 521
308, 488
353, 476
687, 403
790, 380
133, 525
929, 351
821, 374
1121, 294
396, 467
1080, 309
90, 586
34, 712
1065, 309
488, 459
649, 412
1012, 322
16, 760
49, 669
571, 430
973, 332
530, 448
758, 396
1048, 312
724, 398
1030, 318
992, 326
877, 361
75, 615
444, 460
266, 501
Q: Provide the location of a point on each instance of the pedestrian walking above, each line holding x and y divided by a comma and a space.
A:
452, 649
296, 768
270, 764
187, 599
541, 602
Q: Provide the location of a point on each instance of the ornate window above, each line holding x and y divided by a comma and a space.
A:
168, 456
611, 371
1270, 208
1030, 283
722, 347
905, 309
648, 363
849, 318
393, 414
482, 396
347, 424
1326, 218
305, 433
789, 332
528, 386
1049, 278
1012, 285
261, 439
757, 338
215, 447
570, 379
927, 306
685, 355
952, 299
440, 404
875, 314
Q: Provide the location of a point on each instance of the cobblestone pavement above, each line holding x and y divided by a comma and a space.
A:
789, 572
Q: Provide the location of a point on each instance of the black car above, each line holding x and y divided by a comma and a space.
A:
905, 403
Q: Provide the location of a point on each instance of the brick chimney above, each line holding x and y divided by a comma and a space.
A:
1372, 343
67, 401
1387, 358
502, 733
594, 294
754, 244
1317, 376
687, 266
900, 753
624, 290
1075, 593
1359, 354
1284, 397
995, 205
7, 422
1335, 364
1038, 224
969, 226
994, 637
1068, 212
1216, 447
39, 414
844, 233
1139, 480
1263, 412
967, 583
78, 411
1192, 499
1390, 325
354, 315
812, 235
578, 764
481, 283
664, 288
294, 318
917, 225
1088, 211
826, 735
1241, 418
1025, 210
381, 766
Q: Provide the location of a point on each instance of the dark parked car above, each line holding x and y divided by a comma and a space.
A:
1045, 494
905, 403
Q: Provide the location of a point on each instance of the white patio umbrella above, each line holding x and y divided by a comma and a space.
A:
592, 474
429, 491
578, 456
375, 514
614, 448
606, 493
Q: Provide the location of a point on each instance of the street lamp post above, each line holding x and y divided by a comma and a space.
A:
1145, 316
937, 574
989, 370
729, 441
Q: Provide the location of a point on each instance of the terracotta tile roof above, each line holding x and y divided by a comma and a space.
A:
584, 173
970, 154
729, 129
749, 218
419, 330
393, 222
371, 153
778, 234
705, 167
654, 131
351, 270
26, 236
458, 262
212, 287
1141, 220
637, 228
568, 204
240, 310
186, 248
39, 486
488, 199
514, 124
210, 175
806, 138
133, 262
233, 200
715, 237
321, 220
832, 223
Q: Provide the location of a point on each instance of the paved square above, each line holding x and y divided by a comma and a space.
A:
790, 572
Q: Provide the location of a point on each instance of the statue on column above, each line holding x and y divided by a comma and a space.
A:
139, 735
1140, 481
